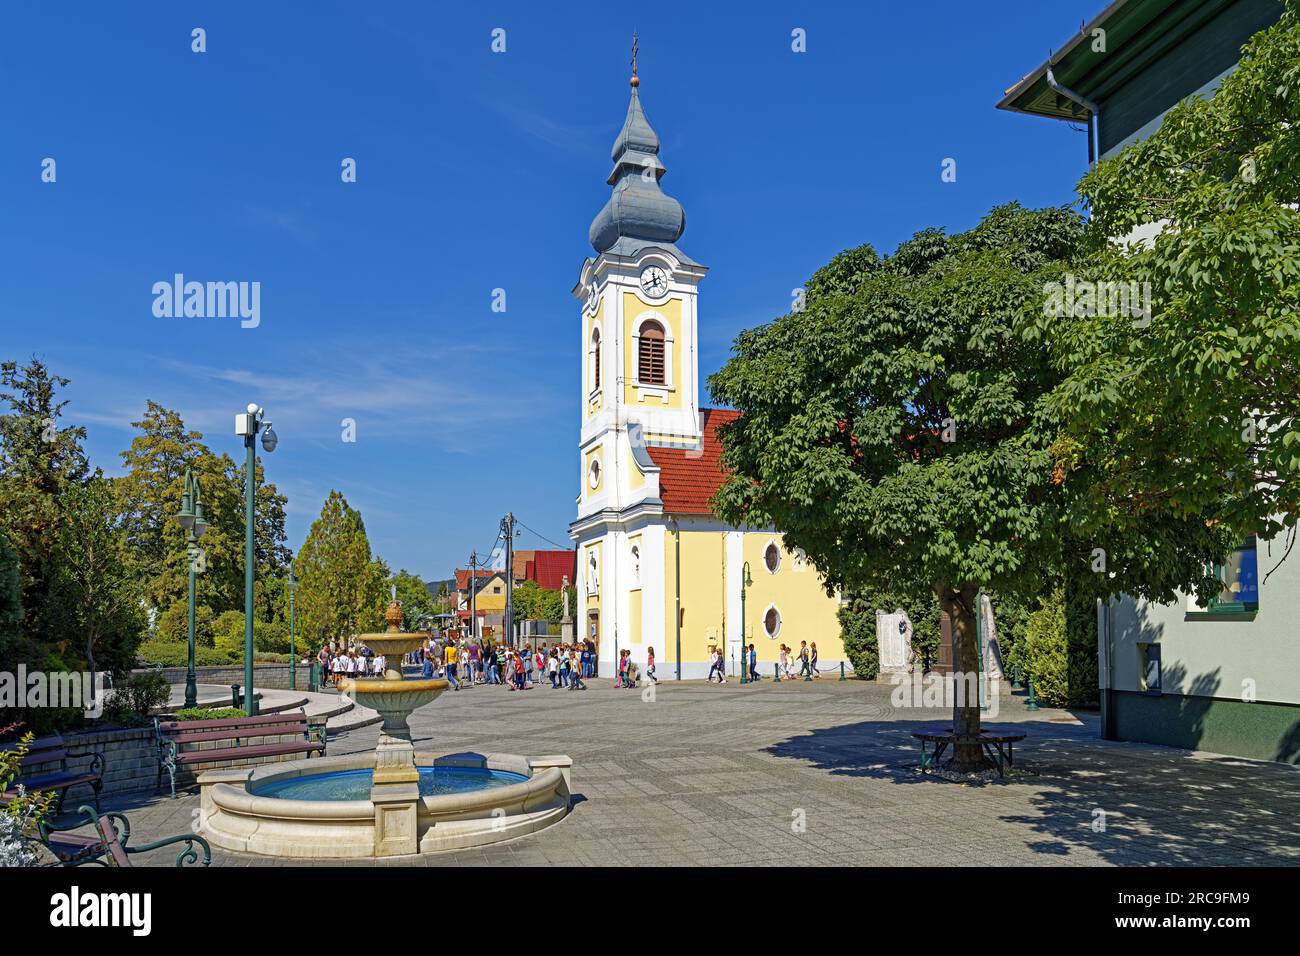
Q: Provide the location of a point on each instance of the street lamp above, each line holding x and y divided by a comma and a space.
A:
293, 657
746, 582
247, 426
191, 518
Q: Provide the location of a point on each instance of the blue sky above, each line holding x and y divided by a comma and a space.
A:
475, 171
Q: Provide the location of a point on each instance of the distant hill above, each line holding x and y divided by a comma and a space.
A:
433, 587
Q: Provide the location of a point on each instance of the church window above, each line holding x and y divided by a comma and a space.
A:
772, 621
650, 362
772, 557
595, 359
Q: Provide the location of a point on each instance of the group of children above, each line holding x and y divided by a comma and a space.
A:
354, 662
807, 658
466, 664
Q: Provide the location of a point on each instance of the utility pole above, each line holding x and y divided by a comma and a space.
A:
473, 587
508, 531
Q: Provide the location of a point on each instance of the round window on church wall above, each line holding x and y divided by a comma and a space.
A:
772, 622
772, 557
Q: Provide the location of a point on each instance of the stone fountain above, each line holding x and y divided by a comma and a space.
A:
395, 792
498, 797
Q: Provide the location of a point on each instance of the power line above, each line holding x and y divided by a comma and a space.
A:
562, 547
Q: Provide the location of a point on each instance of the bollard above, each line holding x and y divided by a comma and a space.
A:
842, 670
1032, 702
1015, 677
234, 696
776, 671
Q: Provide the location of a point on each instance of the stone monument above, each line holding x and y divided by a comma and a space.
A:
894, 641
566, 621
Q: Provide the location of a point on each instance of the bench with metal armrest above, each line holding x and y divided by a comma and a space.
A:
108, 842
180, 741
49, 750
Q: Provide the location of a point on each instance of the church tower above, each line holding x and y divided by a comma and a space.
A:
640, 385
640, 382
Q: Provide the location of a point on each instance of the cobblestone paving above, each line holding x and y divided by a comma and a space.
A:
709, 774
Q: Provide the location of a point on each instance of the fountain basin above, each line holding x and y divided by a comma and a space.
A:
238, 814
357, 784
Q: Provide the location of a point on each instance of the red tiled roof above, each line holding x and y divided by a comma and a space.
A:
548, 568
462, 577
687, 477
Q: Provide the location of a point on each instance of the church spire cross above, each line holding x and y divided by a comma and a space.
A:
635, 81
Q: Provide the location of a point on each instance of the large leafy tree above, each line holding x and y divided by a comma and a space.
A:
150, 497
1195, 412
341, 587
896, 429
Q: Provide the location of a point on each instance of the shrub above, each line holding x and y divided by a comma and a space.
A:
177, 655
135, 699
858, 633
174, 625
207, 713
21, 814
1044, 652
1059, 651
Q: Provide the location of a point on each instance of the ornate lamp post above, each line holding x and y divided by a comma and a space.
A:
293, 657
247, 426
745, 583
191, 518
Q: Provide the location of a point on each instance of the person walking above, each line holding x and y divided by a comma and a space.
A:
650, 665
812, 660
553, 668
753, 664
451, 654
803, 660
575, 675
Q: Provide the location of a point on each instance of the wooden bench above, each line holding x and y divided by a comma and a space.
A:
229, 738
48, 750
107, 842
997, 747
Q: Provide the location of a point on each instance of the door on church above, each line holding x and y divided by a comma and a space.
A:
593, 630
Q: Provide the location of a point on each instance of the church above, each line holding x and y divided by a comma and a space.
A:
656, 568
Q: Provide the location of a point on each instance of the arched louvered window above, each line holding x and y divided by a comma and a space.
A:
595, 359
650, 362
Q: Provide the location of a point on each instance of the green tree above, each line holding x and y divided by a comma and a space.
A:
150, 496
535, 603
1194, 411
414, 597
340, 585
39, 462
896, 428
92, 595
11, 600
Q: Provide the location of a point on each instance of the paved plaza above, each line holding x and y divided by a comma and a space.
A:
824, 773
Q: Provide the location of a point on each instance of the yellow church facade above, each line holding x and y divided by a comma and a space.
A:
656, 568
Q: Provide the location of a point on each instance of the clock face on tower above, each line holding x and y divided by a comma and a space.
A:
654, 281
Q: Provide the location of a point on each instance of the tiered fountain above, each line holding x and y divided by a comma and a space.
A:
390, 802
394, 698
